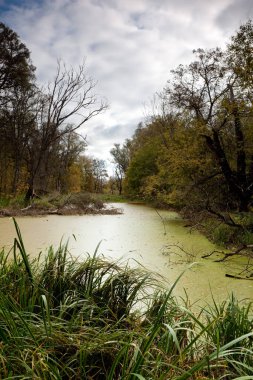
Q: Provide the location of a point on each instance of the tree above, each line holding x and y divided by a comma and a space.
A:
240, 55
86, 164
16, 84
208, 92
17, 123
142, 166
16, 70
69, 97
121, 156
100, 174
62, 160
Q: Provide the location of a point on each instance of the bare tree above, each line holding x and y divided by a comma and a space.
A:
71, 94
69, 103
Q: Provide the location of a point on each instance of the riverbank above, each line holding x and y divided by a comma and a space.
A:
231, 231
225, 228
56, 204
62, 318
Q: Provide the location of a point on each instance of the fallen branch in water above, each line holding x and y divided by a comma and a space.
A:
250, 277
239, 250
210, 254
233, 253
162, 221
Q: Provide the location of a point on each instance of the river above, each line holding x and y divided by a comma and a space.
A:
140, 236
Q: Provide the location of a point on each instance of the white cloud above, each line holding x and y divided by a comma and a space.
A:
130, 47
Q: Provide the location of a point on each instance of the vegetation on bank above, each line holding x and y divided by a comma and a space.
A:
70, 318
110, 198
236, 232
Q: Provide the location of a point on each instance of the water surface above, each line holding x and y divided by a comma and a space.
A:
141, 236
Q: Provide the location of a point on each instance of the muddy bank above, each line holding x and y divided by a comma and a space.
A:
33, 211
73, 204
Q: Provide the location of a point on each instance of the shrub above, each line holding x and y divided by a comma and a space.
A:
224, 234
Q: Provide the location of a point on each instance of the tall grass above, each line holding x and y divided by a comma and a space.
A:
66, 318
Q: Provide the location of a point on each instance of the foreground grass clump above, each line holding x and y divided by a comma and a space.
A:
62, 318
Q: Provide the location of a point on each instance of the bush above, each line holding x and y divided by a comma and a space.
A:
224, 234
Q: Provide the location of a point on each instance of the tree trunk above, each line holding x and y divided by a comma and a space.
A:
244, 204
240, 148
120, 188
236, 181
16, 176
29, 194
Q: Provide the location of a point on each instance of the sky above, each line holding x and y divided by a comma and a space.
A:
129, 47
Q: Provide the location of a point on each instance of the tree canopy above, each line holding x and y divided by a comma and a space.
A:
203, 135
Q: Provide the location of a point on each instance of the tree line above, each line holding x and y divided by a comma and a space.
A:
197, 151
40, 147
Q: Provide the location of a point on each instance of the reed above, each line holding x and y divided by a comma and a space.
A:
67, 318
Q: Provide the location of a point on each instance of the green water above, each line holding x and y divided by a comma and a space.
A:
139, 236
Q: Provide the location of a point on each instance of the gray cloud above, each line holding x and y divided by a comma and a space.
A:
130, 47
235, 14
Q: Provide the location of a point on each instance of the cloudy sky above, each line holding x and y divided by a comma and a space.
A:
129, 46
